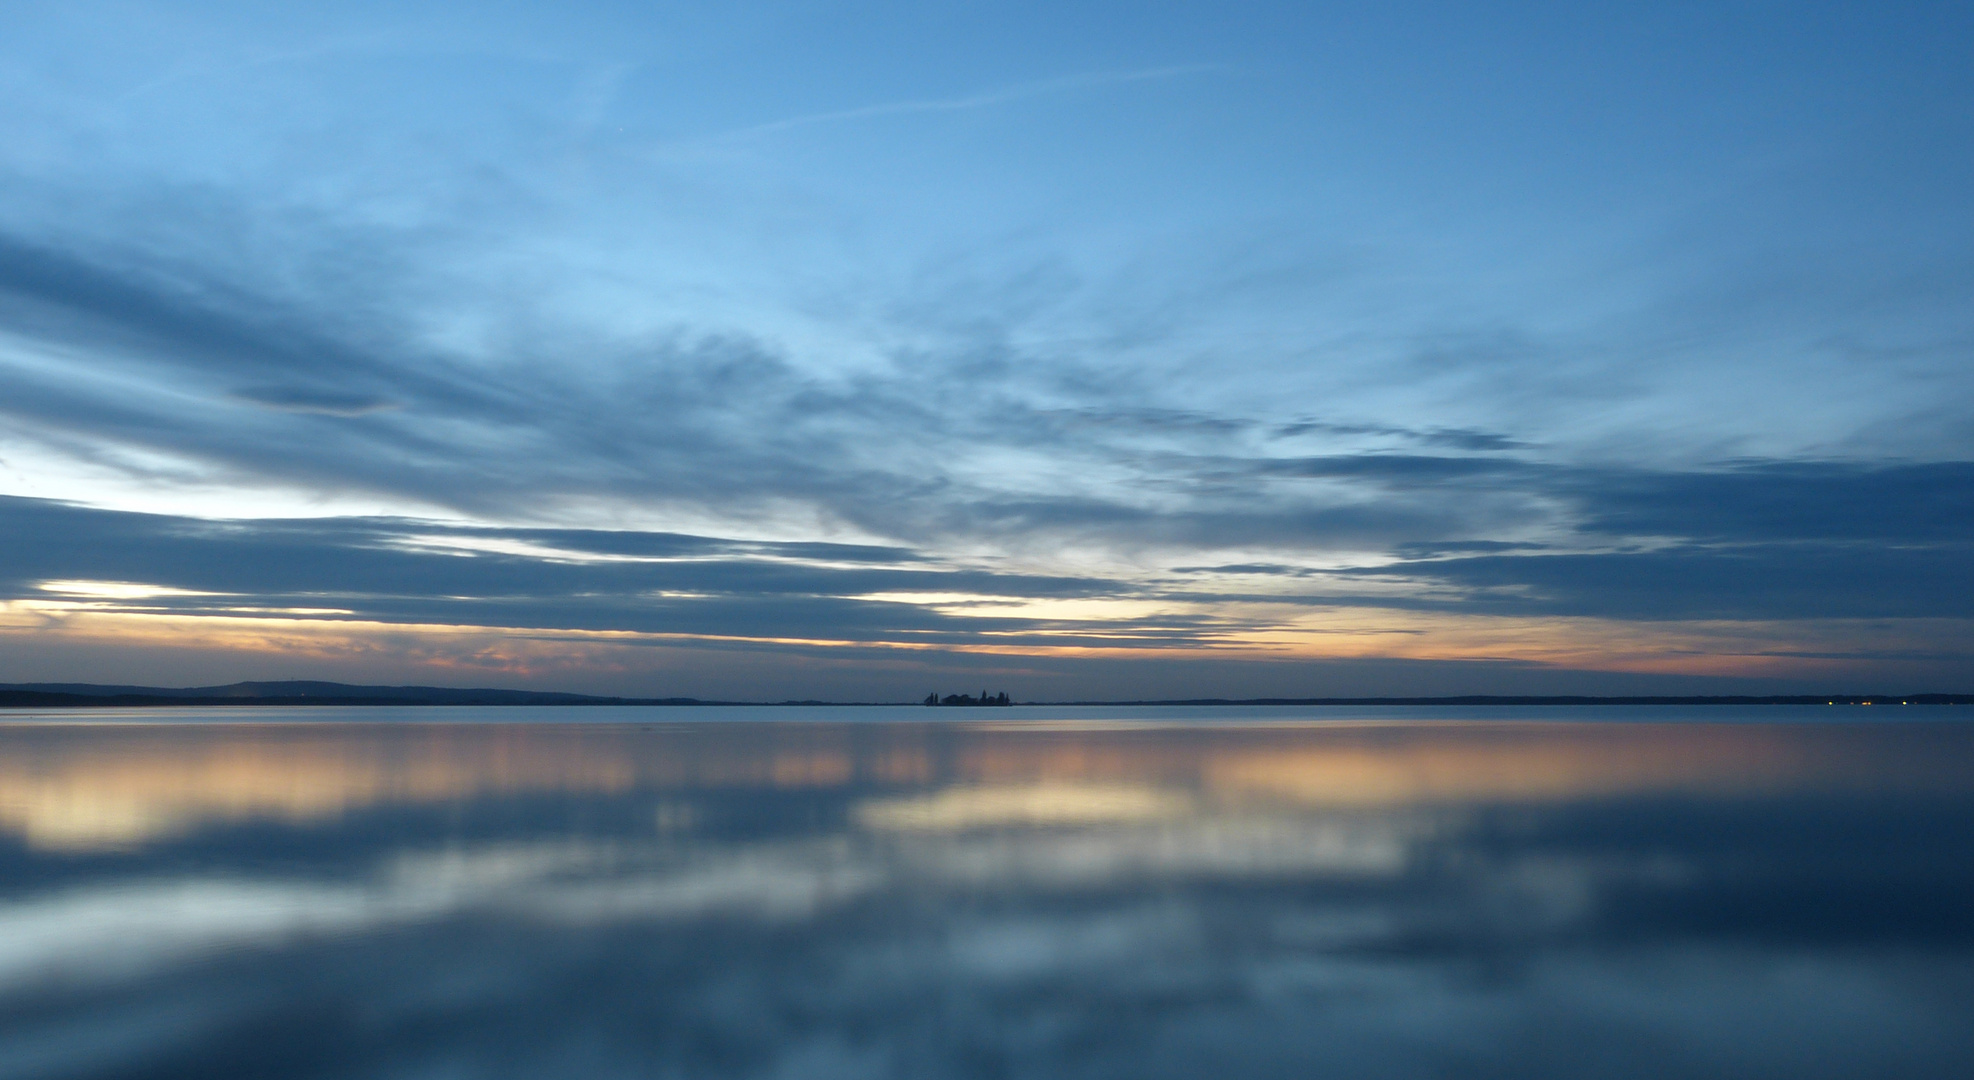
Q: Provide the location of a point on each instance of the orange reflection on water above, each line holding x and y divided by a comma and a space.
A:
1526, 763
84, 787
89, 786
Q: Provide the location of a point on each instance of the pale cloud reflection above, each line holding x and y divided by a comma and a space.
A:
968, 807
1230, 847
129, 929
132, 928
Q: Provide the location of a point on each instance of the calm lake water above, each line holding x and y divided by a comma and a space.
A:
1014, 893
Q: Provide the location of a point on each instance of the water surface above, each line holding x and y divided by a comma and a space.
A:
1005, 893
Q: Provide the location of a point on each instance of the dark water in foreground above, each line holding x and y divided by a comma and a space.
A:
986, 897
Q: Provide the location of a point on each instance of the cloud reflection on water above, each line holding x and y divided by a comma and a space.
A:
62, 787
912, 899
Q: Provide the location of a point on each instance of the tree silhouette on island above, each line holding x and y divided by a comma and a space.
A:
968, 699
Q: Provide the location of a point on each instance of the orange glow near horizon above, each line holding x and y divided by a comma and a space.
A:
1251, 633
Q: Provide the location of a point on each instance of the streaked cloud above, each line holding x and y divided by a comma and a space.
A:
985, 99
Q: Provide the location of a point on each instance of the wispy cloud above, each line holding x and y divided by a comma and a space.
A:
986, 99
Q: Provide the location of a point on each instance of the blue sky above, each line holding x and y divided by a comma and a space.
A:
852, 350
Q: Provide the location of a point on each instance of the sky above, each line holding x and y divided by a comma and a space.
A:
855, 351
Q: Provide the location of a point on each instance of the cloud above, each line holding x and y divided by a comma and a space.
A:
591, 593
1461, 439
1427, 548
304, 399
429, 573
713, 423
932, 449
1391, 469
990, 475
1905, 503
1746, 581
1007, 95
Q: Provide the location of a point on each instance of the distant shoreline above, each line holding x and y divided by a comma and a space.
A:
1486, 699
296, 694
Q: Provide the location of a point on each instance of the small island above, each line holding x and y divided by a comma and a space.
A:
968, 699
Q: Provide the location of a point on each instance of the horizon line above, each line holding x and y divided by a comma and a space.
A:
84, 695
